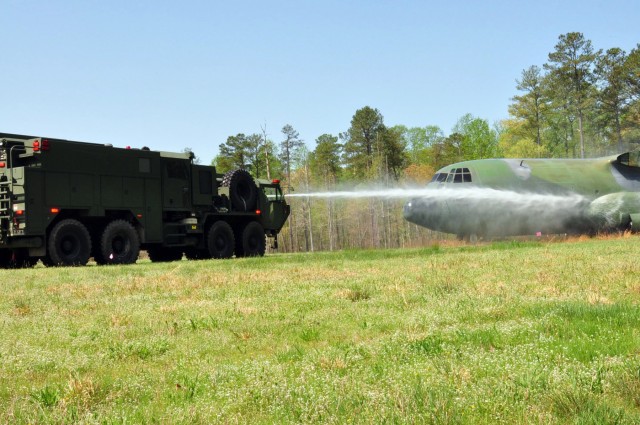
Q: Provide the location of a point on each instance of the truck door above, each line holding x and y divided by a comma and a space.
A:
176, 184
278, 208
203, 184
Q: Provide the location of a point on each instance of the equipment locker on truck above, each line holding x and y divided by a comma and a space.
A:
63, 202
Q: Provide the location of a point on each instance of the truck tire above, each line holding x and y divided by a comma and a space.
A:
162, 254
69, 244
253, 242
119, 243
243, 191
220, 240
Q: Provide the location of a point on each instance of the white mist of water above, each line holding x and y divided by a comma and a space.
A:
469, 193
466, 210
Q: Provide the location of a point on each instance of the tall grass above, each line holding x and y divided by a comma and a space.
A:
525, 332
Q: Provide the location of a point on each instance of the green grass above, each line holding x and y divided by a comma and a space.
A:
522, 332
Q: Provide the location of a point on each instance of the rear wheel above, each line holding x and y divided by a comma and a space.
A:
69, 244
220, 240
119, 243
253, 240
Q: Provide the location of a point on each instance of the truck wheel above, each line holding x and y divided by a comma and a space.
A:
162, 254
69, 244
243, 191
253, 240
119, 243
220, 240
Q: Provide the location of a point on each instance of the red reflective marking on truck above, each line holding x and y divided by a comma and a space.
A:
20, 212
275, 181
258, 212
55, 210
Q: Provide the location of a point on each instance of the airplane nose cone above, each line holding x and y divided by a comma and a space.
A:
409, 211
423, 212
406, 212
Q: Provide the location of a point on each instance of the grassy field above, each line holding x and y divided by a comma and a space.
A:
519, 332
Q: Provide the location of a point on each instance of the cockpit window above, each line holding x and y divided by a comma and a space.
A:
439, 177
460, 175
456, 175
630, 159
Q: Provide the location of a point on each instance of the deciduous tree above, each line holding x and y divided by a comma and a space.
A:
478, 139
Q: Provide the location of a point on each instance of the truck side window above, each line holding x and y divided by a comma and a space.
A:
144, 165
206, 182
273, 193
176, 170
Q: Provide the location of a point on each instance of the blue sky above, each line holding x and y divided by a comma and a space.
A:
171, 75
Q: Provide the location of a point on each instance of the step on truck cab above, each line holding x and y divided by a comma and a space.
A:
63, 202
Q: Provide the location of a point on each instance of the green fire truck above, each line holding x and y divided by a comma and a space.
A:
64, 202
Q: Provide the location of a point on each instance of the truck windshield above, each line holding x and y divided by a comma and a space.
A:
274, 193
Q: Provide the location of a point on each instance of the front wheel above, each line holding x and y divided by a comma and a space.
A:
119, 243
69, 244
220, 240
253, 240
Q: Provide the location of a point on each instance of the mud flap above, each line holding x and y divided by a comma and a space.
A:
634, 225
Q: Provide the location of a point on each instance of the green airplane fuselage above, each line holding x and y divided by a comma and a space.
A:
501, 197
588, 177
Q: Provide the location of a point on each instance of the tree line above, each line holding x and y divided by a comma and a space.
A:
581, 103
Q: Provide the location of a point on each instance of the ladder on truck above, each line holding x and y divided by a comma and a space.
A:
5, 205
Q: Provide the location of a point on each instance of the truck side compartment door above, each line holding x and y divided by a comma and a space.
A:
204, 185
176, 185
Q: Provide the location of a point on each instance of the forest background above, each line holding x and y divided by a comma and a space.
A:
581, 103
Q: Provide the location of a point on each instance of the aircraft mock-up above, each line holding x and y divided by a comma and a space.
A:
511, 197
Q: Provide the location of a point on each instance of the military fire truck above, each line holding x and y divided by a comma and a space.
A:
63, 202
